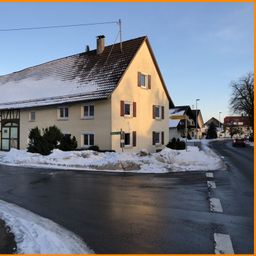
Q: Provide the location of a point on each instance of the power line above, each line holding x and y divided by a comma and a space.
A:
58, 26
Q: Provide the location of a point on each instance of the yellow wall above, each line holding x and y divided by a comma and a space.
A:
75, 125
128, 90
107, 112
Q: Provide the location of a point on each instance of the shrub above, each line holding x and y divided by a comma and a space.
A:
67, 143
53, 135
37, 143
52, 138
94, 148
212, 132
180, 145
176, 144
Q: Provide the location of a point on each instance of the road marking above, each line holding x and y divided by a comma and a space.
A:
209, 175
223, 244
211, 184
215, 205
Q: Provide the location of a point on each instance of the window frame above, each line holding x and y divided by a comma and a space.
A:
30, 116
160, 112
63, 117
130, 138
158, 143
89, 116
89, 139
131, 109
145, 86
147, 80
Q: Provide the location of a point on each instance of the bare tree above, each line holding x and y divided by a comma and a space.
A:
242, 98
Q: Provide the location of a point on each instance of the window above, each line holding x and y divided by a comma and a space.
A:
158, 138
144, 81
158, 112
63, 113
127, 109
32, 116
127, 139
87, 139
88, 112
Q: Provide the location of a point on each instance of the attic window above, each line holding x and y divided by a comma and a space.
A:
144, 81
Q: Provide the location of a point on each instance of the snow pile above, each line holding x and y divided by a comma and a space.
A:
192, 160
165, 161
38, 235
249, 143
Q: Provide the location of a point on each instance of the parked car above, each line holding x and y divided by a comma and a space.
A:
238, 142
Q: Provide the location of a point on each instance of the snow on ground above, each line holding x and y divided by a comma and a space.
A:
167, 160
249, 143
38, 235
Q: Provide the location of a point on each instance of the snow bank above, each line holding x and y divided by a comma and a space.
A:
38, 235
249, 143
165, 161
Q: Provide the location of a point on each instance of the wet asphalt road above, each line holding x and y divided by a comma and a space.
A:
127, 213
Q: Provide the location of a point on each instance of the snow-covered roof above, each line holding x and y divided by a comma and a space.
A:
80, 77
177, 111
173, 123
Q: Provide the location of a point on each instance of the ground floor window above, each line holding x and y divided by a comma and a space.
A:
127, 139
158, 138
87, 139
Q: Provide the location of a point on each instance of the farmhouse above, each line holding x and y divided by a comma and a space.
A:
113, 97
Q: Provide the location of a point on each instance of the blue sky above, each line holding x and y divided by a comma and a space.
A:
200, 47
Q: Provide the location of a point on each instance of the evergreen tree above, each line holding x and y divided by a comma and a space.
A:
212, 131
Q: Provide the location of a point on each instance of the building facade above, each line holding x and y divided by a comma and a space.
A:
110, 97
178, 125
237, 124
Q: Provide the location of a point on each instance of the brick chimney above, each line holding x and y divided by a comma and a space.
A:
100, 44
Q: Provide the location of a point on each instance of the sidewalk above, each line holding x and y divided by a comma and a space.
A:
7, 242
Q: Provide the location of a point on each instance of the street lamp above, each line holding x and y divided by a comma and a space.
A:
219, 123
196, 116
219, 119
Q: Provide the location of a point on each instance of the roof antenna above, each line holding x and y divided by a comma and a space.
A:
120, 34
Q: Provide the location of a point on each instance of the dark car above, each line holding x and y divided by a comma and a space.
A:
238, 142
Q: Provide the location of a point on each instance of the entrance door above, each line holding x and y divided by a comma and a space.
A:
10, 138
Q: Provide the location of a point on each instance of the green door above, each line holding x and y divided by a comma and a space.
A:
10, 136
